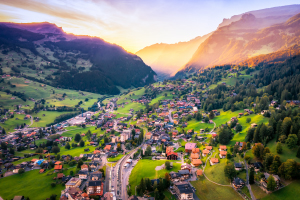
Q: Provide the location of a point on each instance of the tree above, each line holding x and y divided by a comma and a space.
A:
142, 186
53, 197
67, 146
3, 145
268, 161
12, 151
57, 156
211, 115
248, 120
292, 141
168, 165
77, 137
88, 134
238, 128
288, 169
279, 148
119, 147
275, 165
225, 135
79, 164
229, 171
251, 176
167, 180
271, 185
266, 150
81, 143
206, 119
55, 149
286, 126
21, 171
298, 153
258, 150
148, 151
71, 173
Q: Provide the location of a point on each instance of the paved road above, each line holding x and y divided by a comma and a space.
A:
247, 182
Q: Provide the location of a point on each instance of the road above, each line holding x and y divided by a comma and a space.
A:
247, 182
170, 115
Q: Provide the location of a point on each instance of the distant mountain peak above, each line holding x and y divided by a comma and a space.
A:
248, 17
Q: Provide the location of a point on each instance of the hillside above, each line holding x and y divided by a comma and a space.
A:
44, 53
167, 59
244, 39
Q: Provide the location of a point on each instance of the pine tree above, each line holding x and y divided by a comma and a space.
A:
251, 176
298, 153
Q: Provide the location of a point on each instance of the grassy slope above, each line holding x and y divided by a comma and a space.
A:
289, 192
209, 191
286, 152
30, 184
146, 169
48, 118
11, 123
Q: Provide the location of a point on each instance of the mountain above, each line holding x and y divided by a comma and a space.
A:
248, 37
281, 13
166, 59
44, 53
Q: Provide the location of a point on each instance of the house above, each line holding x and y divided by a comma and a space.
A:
209, 148
264, 180
185, 174
107, 147
205, 152
57, 168
73, 182
115, 139
223, 154
195, 156
172, 156
186, 166
148, 136
84, 167
60, 175
257, 166
93, 166
195, 150
83, 174
199, 172
196, 162
97, 157
238, 166
95, 187
183, 190
253, 125
222, 148
174, 177
214, 161
238, 183
189, 147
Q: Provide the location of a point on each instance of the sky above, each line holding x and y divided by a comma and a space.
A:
133, 24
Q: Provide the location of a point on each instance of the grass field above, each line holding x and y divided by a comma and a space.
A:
286, 152
118, 157
47, 119
11, 123
206, 190
216, 172
30, 184
197, 125
146, 169
289, 192
127, 107
258, 193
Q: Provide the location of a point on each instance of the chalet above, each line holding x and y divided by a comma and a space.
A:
238, 183
205, 152
253, 125
84, 167
195, 150
199, 172
57, 168
257, 166
97, 157
107, 147
73, 182
184, 191
195, 156
186, 166
196, 162
93, 166
222, 148
209, 148
189, 147
83, 174
148, 135
223, 154
185, 174
214, 161
238, 166
174, 177
60, 175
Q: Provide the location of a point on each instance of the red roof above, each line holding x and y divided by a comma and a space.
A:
58, 167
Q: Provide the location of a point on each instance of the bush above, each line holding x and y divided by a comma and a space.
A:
53, 184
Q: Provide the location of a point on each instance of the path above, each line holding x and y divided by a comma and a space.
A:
247, 182
213, 128
208, 178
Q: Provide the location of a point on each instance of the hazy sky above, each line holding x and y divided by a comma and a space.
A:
133, 24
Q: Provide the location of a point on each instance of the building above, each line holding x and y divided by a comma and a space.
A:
222, 148
205, 152
238, 183
84, 167
214, 161
95, 187
83, 174
196, 162
223, 154
183, 190
189, 147
148, 135
238, 166
73, 182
